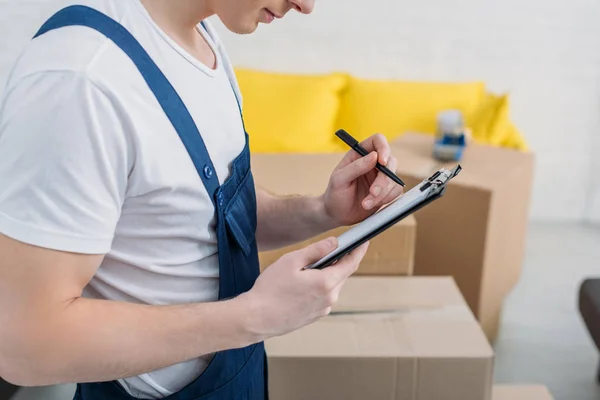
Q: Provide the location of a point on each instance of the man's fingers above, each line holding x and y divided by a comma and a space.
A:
375, 143
379, 144
393, 195
381, 188
356, 169
348, 265
314, 252
395, 189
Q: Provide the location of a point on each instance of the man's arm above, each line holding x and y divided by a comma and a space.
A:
285, 220
51, 335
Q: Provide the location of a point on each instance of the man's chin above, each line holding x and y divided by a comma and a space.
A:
243, 29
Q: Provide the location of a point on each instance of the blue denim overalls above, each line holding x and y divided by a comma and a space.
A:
238, 374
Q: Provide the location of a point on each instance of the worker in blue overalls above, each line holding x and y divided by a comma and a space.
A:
129, 218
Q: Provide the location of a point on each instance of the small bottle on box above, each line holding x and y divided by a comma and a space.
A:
451, 136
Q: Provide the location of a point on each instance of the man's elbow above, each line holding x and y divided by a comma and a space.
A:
9, 375
21, 366
16, 374
25, 376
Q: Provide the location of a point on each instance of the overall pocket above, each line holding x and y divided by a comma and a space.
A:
241, 215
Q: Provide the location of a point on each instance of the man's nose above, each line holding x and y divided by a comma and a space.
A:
303, 6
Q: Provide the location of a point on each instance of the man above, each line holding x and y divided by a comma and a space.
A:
129, 218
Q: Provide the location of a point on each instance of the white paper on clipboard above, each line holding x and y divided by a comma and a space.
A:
427, 191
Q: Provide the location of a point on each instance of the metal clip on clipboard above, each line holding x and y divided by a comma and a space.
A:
440, 178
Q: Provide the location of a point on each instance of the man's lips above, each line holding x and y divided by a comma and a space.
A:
267, 16
274, 14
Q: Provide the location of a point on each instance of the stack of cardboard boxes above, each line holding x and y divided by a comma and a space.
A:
477, 232
393, 338
396, 333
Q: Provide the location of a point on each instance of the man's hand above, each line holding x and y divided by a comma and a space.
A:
356, 189
286, 297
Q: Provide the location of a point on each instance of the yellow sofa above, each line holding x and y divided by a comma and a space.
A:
294, 113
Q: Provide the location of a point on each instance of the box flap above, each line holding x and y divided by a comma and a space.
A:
425, 306
345, 336
391, 317
365, 293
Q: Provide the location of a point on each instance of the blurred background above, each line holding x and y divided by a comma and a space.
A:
540, 56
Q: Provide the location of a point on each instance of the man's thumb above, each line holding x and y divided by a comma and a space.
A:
315, 251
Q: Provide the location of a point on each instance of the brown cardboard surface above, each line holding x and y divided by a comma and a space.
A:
507, 392
476, 232
390, 253
373, 293
294, 173
396, 338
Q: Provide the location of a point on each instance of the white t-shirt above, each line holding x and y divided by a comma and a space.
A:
89, 163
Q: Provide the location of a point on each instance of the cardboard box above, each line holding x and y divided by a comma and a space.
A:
507, 392
390, 253
476, 232
393, 338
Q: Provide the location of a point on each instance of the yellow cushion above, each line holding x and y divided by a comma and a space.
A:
290, 112
395, 107
491, 124
514, 139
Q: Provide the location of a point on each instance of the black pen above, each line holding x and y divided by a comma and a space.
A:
350, 141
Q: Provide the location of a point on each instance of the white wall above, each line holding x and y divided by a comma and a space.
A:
544, 52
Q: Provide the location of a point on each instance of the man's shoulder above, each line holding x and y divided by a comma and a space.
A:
70, 49
59, 50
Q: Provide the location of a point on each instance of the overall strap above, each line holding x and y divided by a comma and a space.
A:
164, 92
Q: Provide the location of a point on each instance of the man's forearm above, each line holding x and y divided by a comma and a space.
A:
283, 221
95, 340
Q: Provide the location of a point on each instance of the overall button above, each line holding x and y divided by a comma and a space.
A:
221, 198
208, 172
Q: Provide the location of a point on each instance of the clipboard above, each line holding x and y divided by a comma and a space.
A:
418, 197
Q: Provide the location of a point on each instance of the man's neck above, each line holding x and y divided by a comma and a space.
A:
178, 17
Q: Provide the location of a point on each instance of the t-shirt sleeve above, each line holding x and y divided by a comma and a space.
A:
64, 163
